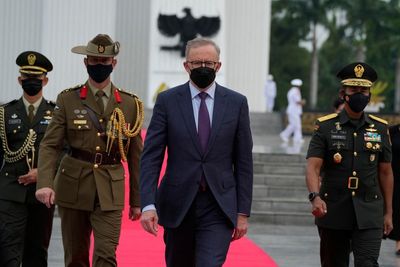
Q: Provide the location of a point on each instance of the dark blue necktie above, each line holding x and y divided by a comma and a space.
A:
204, 129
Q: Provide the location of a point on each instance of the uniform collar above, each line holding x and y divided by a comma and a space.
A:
35, 105
344, 118
106, 90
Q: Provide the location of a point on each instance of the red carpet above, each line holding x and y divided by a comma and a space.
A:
138, 248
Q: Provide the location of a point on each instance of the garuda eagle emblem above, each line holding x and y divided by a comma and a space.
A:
188, 28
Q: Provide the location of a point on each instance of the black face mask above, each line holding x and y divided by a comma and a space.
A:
32, 86
358, 101
202, 76
99, 73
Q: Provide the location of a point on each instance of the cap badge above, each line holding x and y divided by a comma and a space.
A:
31, 59
101, 49
359, 71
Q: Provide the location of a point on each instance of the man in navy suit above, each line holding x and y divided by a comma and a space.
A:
204, 199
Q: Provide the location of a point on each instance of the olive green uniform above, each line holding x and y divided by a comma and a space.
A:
89, 184
351, 153
25, 223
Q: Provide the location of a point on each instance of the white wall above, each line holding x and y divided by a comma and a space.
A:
53, 27
167, 66
247, 45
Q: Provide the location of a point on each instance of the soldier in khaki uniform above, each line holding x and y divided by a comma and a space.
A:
353, 203
101, 124
25, 223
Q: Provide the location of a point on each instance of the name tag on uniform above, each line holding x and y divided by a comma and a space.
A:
14, 121
338, 137
80, 122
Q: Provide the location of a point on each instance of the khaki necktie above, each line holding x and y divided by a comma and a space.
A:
31, 108
99, 100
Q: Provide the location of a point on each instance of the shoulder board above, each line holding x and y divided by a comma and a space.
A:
10, 103
51, 102
72, 88
128, 93
327, 117
377, 119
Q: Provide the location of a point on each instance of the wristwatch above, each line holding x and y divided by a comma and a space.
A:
313, 195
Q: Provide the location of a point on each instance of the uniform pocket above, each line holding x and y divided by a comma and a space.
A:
117, 184
67, 180
372, 196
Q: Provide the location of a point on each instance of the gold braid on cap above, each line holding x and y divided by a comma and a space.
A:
118, 128
27, 146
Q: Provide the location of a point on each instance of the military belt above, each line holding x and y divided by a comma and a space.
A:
99, 158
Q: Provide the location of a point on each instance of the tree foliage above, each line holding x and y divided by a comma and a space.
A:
358, 29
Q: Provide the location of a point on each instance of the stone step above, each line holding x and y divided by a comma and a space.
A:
284, 192
279, 158
260, 123
278, 168
282, 218
281, 205
279, 179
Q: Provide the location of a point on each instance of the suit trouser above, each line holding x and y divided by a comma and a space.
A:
336, 245
202, 239
25, 231
76, 228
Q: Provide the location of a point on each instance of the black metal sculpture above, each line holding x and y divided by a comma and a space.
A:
188, 27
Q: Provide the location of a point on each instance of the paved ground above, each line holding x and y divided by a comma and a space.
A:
289, 246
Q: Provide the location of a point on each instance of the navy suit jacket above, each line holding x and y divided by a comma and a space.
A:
227, 162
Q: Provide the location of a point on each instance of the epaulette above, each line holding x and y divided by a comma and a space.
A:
377, 119
327, 117
128, 93
72, 88
9, 103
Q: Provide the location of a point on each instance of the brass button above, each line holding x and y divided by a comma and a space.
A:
355, 134
326, 195
353, 193
376, 196
355, 154
96, 166
29, 160
63, 170
98, 134
97, 148
100, 120
79, 127
369, 144
15, 131
6, 173
354, 173
19, 127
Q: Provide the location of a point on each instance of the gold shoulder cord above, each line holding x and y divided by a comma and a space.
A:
118, 128
28, 145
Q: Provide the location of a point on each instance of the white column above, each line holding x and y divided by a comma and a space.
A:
247, 31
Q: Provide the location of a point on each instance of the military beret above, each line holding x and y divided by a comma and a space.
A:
32, 62
100, 46
357, 74
296, 82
